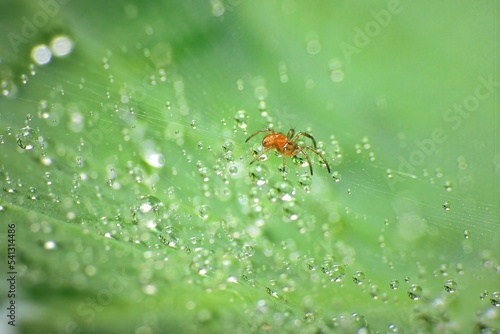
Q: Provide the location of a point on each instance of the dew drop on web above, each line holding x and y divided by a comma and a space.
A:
415, 292
147, 211
450, 286
27, 138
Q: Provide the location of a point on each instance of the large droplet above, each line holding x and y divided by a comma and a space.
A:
358, 277
27, 138
147, 211
241, 119
415, 292
259, 174
41, 54
450, 286
394, 284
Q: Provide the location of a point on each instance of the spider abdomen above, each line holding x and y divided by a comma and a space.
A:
275, 140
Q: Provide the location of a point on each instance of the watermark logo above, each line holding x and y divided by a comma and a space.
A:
31, 25
363, 36
454, 116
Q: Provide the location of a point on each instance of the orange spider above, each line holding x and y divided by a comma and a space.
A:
287, 145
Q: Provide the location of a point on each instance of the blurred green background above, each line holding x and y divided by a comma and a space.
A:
125, 170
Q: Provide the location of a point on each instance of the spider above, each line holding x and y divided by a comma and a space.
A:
287, 145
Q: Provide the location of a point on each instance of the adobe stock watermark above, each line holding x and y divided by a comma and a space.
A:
454, 116
31, 25
87, 310
364, 36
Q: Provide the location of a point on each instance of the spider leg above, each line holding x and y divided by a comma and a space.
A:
320, 155
257, 132
258, 156
305, 134
284, 163
307, 157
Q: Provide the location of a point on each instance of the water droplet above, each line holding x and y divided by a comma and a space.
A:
495, 298
448, 186
291, 211
283, 71
333, 270
259, 174
240, 84
460, 268
233, 170
203, 211
450, 286
169, 236
149, 289
147, 211
286, 190
415, 292
462, 163
32, 193
337, 75
466, 234
358, 277
8, 88
313, 47
232, 279
374, 291
29, 118
61, 46
41, 54
42, 109
247, 251
389, 173
105, 63
241, 119
228, 146
193, 124
392, 329
394, 284
312, 264
336, 176
360, 322
336, 70
446, 206
32, 68
309, 317
24, 79
203, 171
443, 268
27, 138
305, 181
151, 155
50, 244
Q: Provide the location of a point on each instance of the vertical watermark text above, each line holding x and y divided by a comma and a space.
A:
11, 274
